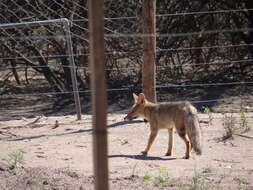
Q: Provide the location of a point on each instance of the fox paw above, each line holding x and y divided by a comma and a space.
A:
168, 154
186, 157
144, 153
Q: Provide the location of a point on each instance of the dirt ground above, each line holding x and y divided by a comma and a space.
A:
56, 153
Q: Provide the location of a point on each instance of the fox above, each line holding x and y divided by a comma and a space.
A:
169, 115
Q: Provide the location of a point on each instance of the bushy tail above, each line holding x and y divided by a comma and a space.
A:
193, 129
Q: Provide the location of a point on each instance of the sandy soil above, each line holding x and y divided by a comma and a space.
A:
58, 155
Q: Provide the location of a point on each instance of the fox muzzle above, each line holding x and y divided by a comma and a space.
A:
127, 118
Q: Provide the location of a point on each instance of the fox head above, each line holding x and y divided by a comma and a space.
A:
137, 110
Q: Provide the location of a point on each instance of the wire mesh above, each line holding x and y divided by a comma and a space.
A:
197, 49
203, 55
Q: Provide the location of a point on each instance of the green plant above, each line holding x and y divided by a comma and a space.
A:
123, 142
197, 182
244, 122
242, 184
206, 171
229, 126
157, 178
199, 76
16, 158
244, 187
70, 172
209, 113
195, 77
38, 182
147, 177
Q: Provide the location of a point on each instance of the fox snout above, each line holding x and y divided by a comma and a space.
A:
127, 118
137, 109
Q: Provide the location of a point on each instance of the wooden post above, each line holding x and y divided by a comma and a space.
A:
149, 50
99, 99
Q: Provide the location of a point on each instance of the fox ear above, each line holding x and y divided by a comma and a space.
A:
141, 98
135, 97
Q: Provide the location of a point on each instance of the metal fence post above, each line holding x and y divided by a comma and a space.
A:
65, 22
72, 69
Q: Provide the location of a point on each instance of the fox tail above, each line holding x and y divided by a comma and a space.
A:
193, 129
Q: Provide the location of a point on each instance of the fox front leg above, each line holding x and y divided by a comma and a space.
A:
151, 139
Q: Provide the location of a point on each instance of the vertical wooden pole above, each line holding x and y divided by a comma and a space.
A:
99, 99
149, 50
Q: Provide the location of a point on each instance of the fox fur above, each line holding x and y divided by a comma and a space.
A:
179, 115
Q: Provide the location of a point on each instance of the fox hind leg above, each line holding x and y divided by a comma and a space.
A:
170, 143
185, 138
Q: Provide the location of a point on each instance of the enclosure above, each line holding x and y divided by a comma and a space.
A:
201, 52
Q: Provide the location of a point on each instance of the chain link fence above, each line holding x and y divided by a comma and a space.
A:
204, 55
196, 51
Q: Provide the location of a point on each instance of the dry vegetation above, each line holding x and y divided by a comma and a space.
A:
44, 147
55, 152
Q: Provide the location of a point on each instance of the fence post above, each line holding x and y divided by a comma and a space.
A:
99, 99
149, 50
72, 68
66, 27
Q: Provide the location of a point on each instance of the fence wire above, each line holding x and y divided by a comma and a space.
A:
196, 50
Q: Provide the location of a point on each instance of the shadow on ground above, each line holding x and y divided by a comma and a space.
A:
140, 157
20, 138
